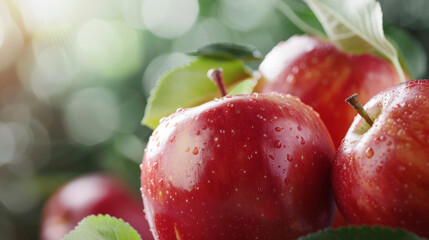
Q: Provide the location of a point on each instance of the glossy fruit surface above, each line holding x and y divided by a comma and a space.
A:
323, 77
242, 167
87, 195
381, 173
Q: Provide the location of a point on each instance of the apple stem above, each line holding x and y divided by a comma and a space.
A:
354, 102
216, 76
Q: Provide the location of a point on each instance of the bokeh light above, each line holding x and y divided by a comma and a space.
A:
245, 15
169, 18
92, 116
159, 66
131, 147
11, 38
53, 71
7, 144
110, 49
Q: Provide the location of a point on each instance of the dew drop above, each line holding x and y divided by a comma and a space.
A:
195, 151
198, 132
286, 181
299, 128
277, 144
161, 182
289, 157
369, 152
277, 129
172, 138
302, 141
271, 156
378, 169
204, 127
155, 165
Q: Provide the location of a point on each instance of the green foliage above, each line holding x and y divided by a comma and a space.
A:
102, 227
362, 233
244, 87
228, 51
189, 86
411, 52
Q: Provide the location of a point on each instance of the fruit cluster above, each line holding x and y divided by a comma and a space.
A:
275, 163
259, 166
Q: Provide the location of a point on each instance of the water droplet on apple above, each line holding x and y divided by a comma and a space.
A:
277, 144
378, 169
198, 132
286, 181
401, 132
271, 156
277, 129
289, 157
155, 165
369, 152
195, 151
299, 128
161, 182
295, 69
389, 143
172, 138
204, 128
302, 141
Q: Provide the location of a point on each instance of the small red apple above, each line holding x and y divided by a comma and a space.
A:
240, 167
91, 194
381, 172
322, 76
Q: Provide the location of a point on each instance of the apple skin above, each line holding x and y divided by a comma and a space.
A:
96, 193
242, 167
381, 173
323, 76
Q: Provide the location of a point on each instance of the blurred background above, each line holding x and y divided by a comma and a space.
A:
75, 76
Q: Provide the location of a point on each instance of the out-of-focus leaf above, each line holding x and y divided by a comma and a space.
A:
228, 51
102, 227
302, 17
411, 52
362, 233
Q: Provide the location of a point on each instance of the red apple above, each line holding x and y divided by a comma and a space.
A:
91, 194
323, 76
241, 167
381, 173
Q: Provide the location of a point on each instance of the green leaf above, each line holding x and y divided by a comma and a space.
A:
302, 17
228, 51
362, 233
189, 86
355, 26
102, 227
245, 87
411, 51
